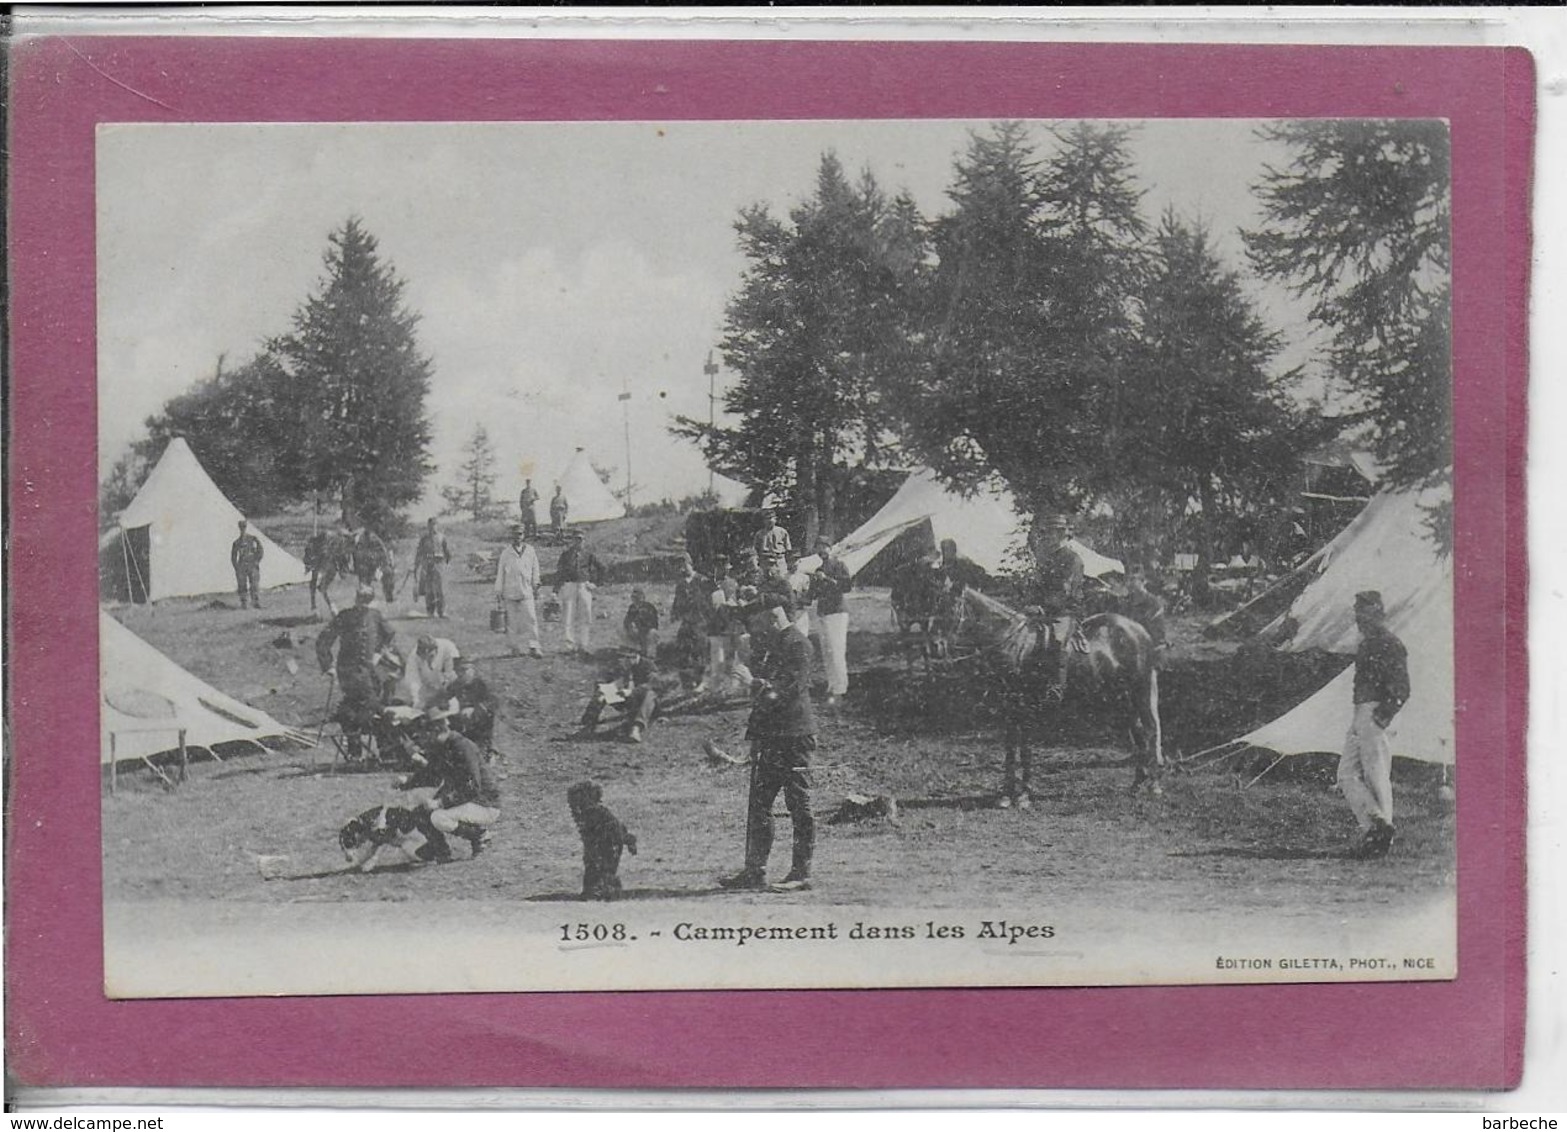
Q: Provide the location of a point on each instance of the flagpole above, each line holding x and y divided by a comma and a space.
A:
711, 369
625, 412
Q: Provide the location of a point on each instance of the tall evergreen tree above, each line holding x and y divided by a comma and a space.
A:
357, 382
474, 491
1359, 221
1031, 310
1205, 419
822, 313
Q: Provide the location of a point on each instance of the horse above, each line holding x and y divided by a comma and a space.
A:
1109, 654
928, 605
328, 556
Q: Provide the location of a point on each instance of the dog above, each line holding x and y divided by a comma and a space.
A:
408, 831
603, 838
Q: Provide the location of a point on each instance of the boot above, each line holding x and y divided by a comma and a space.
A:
476, 836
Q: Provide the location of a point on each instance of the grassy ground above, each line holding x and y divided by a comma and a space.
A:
930, 743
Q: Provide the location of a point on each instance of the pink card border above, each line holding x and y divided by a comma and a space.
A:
1467, 1034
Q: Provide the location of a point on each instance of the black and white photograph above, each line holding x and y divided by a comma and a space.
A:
775, 554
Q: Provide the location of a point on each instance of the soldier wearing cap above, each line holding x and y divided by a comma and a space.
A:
467, 797
430, 560
361, 634
782, 731
1056, 591
689, 610
641, 623
771, 543
559, 509
1381, 689
516, 583
477, 706
828, 585
577, 575
372, 560
526, 502
245, 557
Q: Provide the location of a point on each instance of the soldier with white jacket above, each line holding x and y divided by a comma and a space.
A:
516, 581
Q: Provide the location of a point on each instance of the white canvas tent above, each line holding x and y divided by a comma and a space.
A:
146, 700
174, 538
1389, 547
587, 499
985, 526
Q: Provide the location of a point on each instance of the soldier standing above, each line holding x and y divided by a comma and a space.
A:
577, 575
558, 510
782, 731
1365, 771
526, 502
371, 561
360, 634
429, 559
245, 557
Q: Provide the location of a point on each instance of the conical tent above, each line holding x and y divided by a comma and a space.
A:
1390, 548
985, 526
587, 499
147, 699
1423, 730
174, 538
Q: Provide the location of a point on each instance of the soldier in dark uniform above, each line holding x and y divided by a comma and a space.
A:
477, 706
1055, 594
578, 573
360, 634
245, 557
526, 503
1365, 771
371, 560
638, 689
961, 573
689, 610
467, 797
430, 558
1144, 606
641, 623
782, 731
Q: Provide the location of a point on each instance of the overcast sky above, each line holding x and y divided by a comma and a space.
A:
553, 264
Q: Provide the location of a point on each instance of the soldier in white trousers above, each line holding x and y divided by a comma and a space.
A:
1365, 771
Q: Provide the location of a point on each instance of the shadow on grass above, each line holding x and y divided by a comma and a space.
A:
341, 770
292, 620
957, 802
628, 894
1272, 853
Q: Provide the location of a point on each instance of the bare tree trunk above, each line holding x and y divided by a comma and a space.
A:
806, 487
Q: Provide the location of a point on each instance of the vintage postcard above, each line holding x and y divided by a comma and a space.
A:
638, 535
1035, 401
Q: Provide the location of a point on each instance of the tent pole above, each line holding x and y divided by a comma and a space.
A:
1265, 771
1222, 747
184, 757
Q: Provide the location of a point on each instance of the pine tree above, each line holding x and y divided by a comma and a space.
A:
821, 317
357, 382
1032, 313
1205, 419
1359, 221
474, 490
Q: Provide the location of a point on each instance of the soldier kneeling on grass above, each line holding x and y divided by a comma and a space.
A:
463, 796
